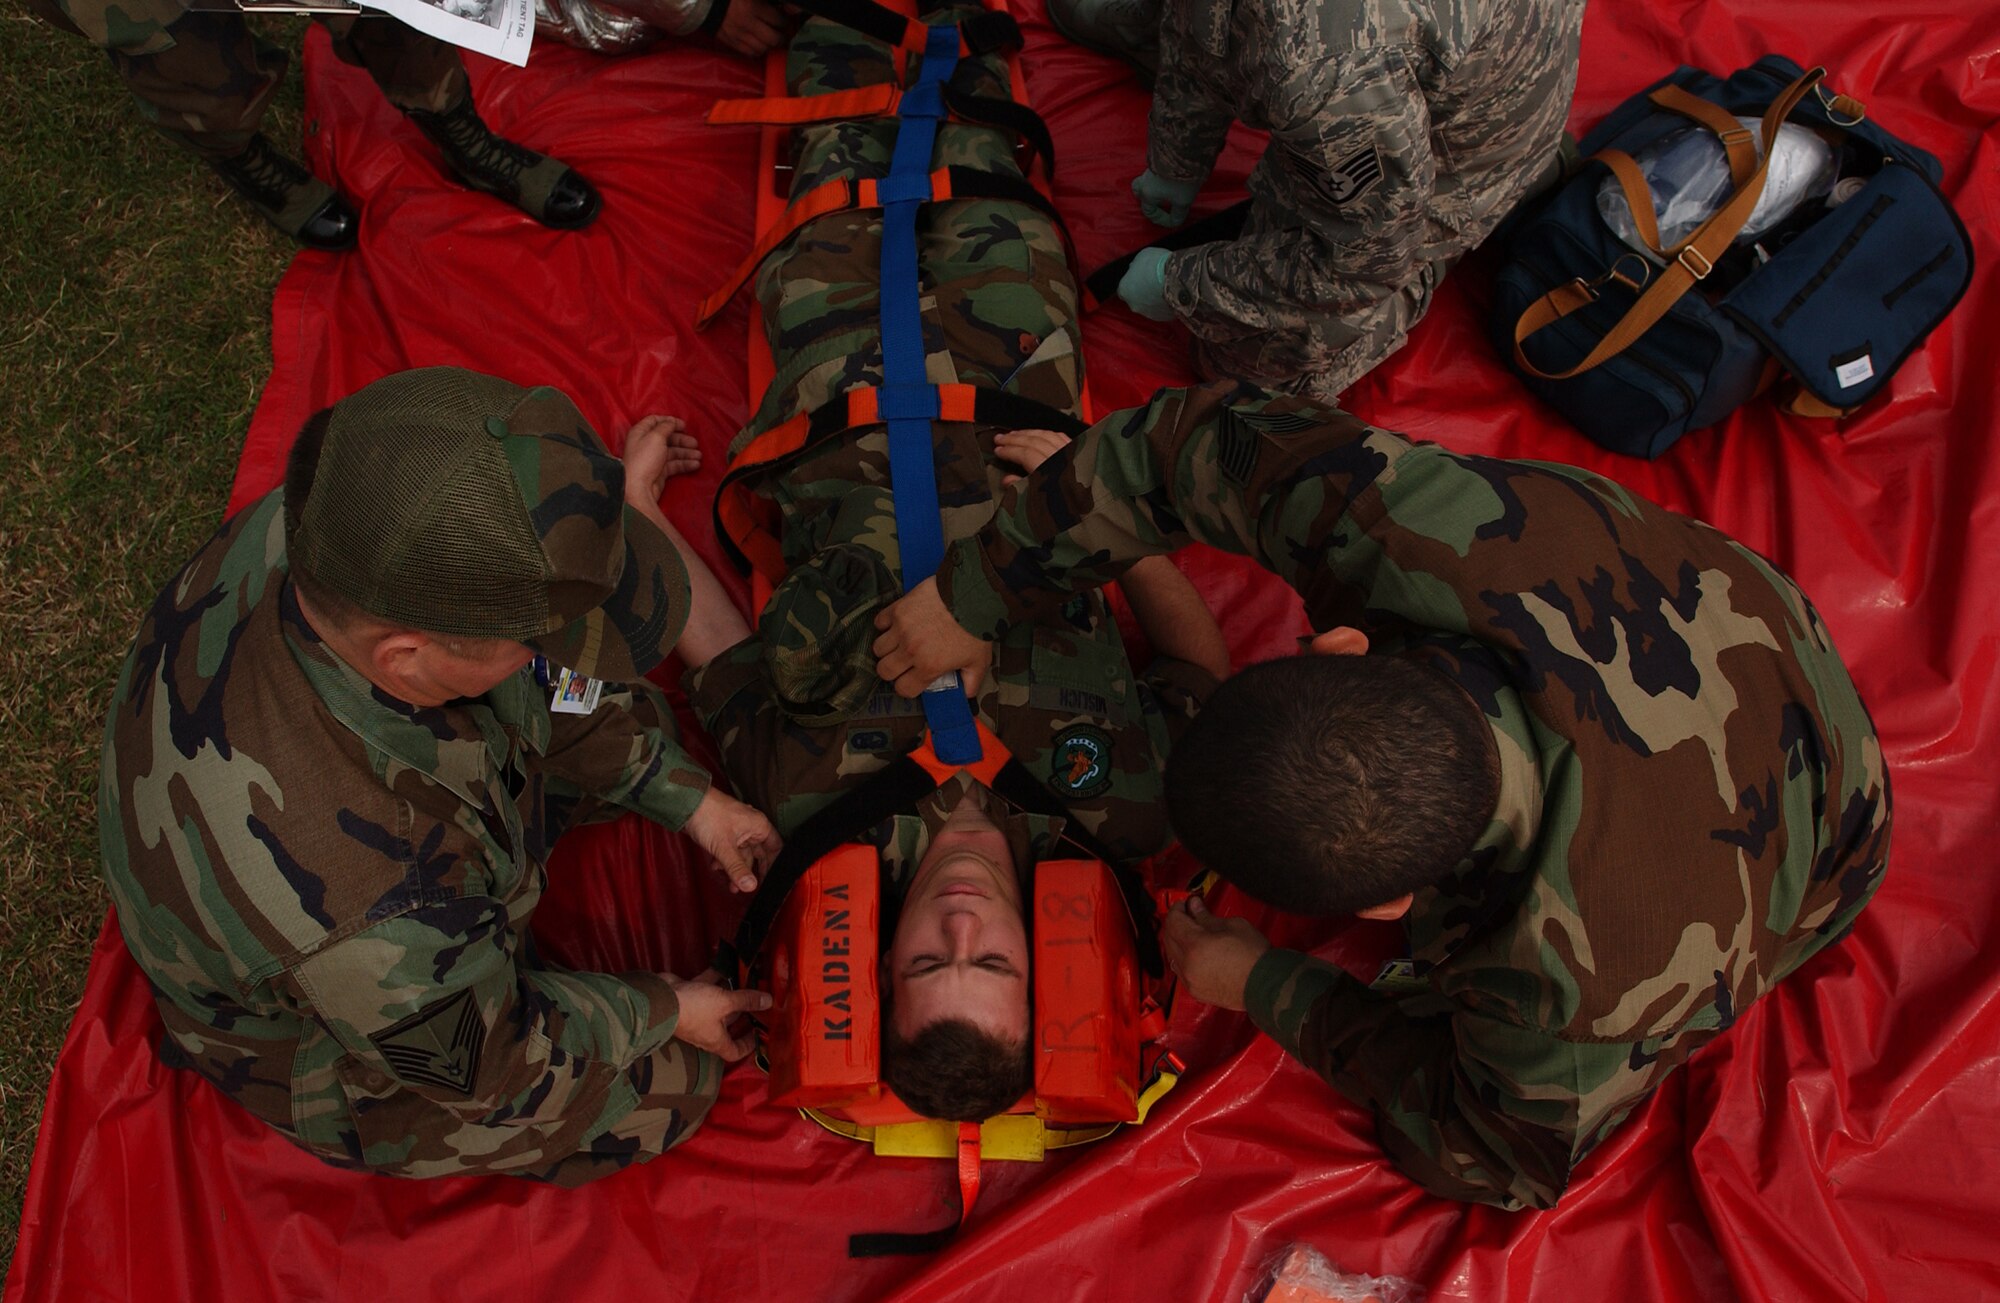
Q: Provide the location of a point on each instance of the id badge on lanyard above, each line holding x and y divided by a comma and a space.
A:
570, 693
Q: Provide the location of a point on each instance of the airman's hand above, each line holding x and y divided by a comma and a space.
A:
739, 837
1212, 955
751, 27
1027, 449
707, 1009
920, 641
657, 448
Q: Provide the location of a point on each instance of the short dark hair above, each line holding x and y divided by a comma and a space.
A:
1329, 784
954, 1069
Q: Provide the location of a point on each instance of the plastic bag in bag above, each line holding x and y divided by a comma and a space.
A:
1688, 173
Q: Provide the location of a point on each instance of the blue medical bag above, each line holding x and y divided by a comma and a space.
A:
1636, 347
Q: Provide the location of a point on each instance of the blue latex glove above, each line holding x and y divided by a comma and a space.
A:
1144, 285
1165, 203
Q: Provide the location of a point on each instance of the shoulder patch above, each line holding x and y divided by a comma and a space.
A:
437, 1045
1353, 176
1236, 446
1271, 422
1081, 765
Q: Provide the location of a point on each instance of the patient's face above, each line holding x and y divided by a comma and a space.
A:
961, 948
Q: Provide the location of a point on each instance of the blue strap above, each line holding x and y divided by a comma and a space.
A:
909, 402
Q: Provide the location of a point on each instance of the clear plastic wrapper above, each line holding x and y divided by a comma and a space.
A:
617, 29
590, 26
1688, 173
1301, 1274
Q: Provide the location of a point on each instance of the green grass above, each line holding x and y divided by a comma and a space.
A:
134, 338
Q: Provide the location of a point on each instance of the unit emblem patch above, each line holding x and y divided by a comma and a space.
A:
1082, 764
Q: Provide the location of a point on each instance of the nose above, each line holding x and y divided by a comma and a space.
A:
962, 928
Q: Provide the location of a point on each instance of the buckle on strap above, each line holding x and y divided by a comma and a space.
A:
1627, 279
1696, 262
1841, 110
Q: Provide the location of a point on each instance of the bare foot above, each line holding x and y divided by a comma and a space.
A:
657, 448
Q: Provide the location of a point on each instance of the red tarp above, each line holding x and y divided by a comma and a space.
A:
1838, 1143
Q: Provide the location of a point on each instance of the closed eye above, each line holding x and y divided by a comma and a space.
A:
993, 962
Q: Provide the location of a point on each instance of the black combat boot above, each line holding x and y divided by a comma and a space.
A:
546, 189
1123, 29
289, 197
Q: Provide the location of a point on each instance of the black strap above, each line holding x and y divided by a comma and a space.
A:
990, 32
1019, 412
983, 33
717, 11
1101, 286
1008, 115
884, 1244
977, 183
863, 16
889, 791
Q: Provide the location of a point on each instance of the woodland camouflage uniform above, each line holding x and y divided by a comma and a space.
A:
797, 711
329, 890
204, 78
1402, 131
1692, 803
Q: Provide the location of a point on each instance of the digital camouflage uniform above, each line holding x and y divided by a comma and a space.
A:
1692, 801
330, 891
1402, 131
204, 78
797, 722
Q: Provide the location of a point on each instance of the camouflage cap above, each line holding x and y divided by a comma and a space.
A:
461, 504
818, 629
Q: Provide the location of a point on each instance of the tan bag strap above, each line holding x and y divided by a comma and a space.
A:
1692, 260
1638, 195
1737, 141
1803, 403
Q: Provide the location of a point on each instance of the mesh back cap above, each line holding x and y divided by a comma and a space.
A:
464, 505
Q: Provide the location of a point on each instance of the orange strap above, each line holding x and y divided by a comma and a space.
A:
792, 110
968, 1169
843, 194
1691, 260
993, 756
1803, 403
749, 521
